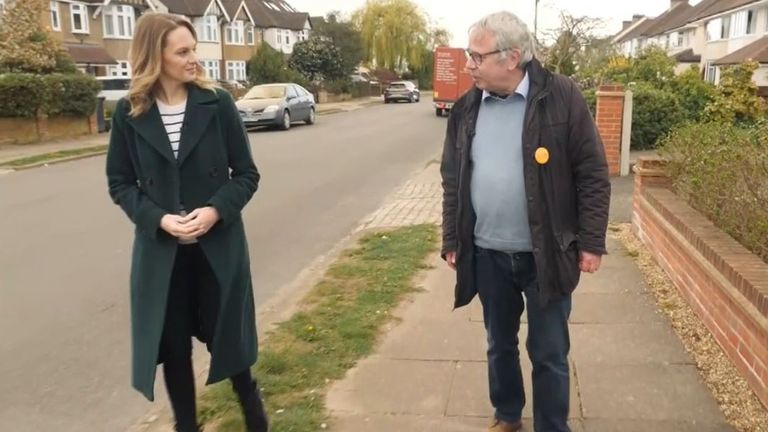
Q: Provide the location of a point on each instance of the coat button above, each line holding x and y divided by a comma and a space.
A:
536, 251
149, 181
213, 172
530, 198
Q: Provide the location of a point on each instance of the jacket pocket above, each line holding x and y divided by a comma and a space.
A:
566, 239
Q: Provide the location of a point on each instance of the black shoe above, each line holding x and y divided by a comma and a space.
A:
253, 411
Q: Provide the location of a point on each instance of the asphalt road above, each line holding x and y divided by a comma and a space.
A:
64, 255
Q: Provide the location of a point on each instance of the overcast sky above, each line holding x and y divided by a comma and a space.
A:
457, 16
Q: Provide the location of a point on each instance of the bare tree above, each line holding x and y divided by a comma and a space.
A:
571, 38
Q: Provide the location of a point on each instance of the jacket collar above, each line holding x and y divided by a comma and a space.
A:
199, 111
538, 85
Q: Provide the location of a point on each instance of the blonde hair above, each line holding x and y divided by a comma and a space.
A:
146, 57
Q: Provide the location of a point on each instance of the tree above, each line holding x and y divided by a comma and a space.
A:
652, 65
394, 33
25, 46
343, 34
571, 38
735, 98
267, 65
318, 60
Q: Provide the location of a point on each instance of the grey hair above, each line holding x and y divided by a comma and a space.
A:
511, 33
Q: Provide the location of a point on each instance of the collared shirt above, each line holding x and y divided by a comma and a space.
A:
522, 89
497, 185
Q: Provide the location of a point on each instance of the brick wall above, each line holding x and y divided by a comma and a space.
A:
725, 284
609, 118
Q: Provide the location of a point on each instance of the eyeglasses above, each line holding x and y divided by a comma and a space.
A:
477, 58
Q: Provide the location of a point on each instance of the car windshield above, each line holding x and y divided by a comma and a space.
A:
397, 85
266, 92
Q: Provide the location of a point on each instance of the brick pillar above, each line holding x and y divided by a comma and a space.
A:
610, 111
93, 124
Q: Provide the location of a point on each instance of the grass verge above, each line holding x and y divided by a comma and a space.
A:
53, 156
338, 323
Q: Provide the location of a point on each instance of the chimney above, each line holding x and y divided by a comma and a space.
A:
637, 17
626, 24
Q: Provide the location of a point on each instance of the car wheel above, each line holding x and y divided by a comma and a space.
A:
412, 99
286, 121
311, 119
439, 112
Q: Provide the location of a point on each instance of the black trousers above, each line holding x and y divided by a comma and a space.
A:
191, 311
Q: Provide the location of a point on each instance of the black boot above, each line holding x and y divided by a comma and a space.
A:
253, 410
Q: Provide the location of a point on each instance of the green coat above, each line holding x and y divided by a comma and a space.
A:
147, 182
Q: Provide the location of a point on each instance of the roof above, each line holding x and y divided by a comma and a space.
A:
291, 20
687, 56
708, 8
757, 50
89, 54
231, 7
190, 8
674, 17
637, 31
279, 15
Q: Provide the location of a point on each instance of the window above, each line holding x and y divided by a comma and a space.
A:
271, 6
118, 21
291, 93
122, 69
751, 22
710, 74
250, 36
208, 28
726, 28
234, 33
79, 13
236, 70
53, 7
287, 37
211, 68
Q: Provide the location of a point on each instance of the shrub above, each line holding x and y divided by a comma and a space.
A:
71, 94
694, 93
735, 99
722, 171
26, 95
655, 113
21, 95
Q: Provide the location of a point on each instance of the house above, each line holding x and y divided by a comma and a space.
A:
280, 24
710, 35
241, 40
96, 33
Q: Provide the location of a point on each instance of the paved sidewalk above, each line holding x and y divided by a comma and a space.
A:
9, 152
629, 371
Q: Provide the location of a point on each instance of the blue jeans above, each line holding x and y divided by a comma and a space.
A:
502, 279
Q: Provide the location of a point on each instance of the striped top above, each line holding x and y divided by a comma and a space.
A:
173, 119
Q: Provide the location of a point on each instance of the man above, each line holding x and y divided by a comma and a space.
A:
525, 210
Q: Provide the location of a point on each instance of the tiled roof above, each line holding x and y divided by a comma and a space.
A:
757, 50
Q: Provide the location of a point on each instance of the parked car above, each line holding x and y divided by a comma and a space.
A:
113, 88
277, 105
401, 90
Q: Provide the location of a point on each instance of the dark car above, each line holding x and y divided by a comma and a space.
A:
401, 90
277, 105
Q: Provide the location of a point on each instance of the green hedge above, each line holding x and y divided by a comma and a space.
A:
722, 171
24, 95
655, 112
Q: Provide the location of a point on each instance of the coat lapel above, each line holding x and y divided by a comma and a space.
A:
150, 126
200, 110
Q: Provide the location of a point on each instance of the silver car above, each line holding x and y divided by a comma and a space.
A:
402, 90
277, 105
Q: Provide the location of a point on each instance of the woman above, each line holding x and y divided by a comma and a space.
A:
179, 165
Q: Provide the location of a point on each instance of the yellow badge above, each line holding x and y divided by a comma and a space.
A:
542, 155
